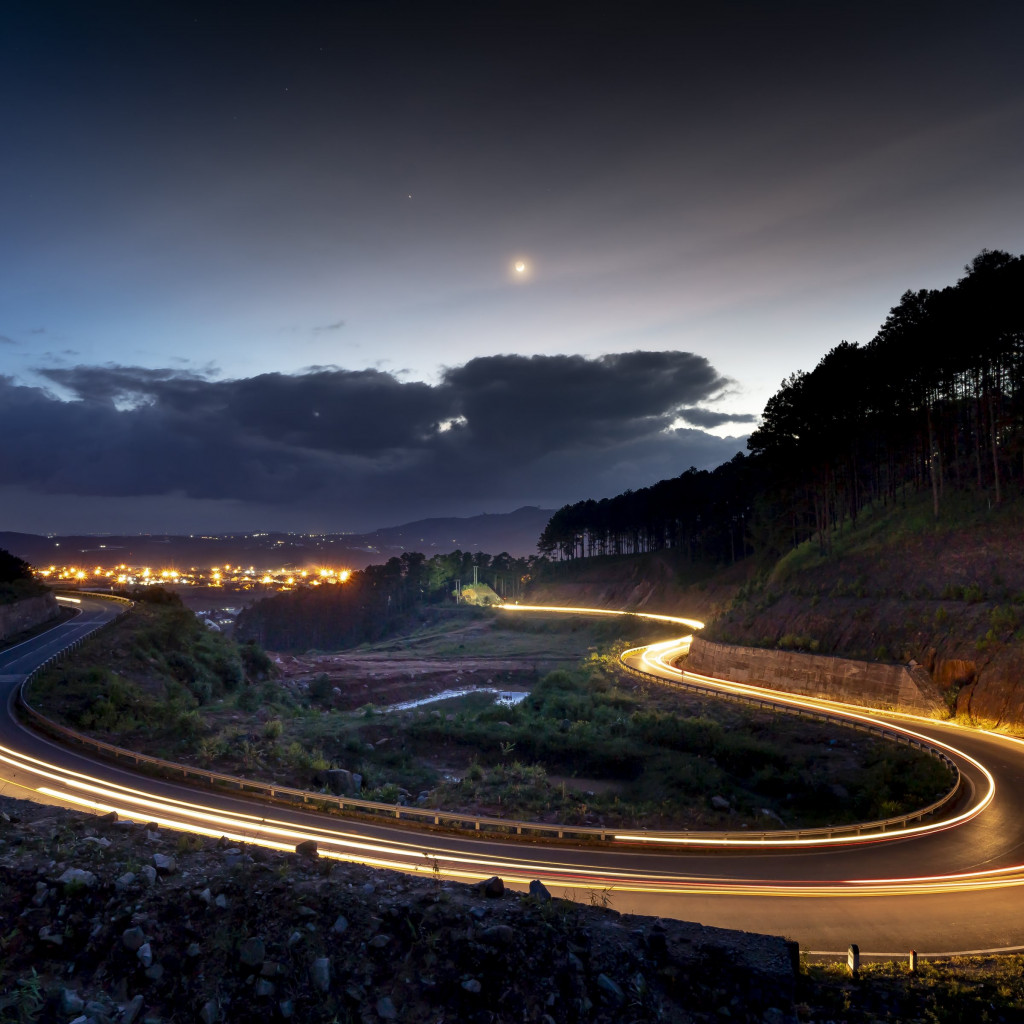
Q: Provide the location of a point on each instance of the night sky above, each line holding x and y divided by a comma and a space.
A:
257, 260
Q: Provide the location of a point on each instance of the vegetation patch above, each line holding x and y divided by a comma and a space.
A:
952, 991
650, 757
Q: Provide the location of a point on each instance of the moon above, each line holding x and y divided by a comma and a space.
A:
520, 267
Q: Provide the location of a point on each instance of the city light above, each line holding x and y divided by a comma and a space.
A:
226, 576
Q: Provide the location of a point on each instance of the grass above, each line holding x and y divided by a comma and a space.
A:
960, 990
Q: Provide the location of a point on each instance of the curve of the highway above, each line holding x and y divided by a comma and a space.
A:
940, 891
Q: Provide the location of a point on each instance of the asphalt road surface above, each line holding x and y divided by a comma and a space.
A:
953, 886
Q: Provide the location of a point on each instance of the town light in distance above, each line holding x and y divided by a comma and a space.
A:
230, 577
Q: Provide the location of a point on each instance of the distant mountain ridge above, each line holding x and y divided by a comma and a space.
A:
515, 532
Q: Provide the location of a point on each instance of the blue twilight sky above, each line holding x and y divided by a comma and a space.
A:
257, 260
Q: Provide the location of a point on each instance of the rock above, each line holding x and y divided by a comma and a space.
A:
265, 988
386, 1009
210, 1013
194, 950
498, 935
164, 864
131, 1011
294, 938
493, 886
320, 974
252, 952
76, 876
773, 1015
71, 1001
124, 881
206, 896
539, 892
145, 954
610, 989
155, 973
720, 803
109, 817
472, 985
271, 969
342, 782
307, 848
148, 873
221, 901
286, 1008
379, 941
133, 939
340, 926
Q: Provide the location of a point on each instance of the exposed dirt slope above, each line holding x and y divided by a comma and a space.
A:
900, 588
658, 582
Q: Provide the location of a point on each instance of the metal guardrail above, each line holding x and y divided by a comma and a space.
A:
450, 820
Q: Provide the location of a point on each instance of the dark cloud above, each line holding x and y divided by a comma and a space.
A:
337, 326
709, 418
4, 340
362, 445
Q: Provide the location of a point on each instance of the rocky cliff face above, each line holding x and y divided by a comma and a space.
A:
23, 615
108, 921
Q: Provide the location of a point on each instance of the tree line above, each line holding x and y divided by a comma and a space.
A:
934, 402
375, 602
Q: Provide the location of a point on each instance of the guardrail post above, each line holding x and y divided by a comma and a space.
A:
853, 959
913, 961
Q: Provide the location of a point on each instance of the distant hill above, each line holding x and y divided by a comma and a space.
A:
515, 532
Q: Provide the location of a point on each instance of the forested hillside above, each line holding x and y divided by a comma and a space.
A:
935, 401
375, 602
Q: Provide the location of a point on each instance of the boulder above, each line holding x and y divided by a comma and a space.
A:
492, 887
164, 864
539, 891
320, 974
133, 939
342, 782
76, 876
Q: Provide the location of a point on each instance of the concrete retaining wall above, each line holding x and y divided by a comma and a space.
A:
27, 614
902, 687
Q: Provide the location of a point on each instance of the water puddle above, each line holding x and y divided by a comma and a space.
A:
510, 698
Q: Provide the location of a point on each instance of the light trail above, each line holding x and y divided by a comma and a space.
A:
560, 609
471, 859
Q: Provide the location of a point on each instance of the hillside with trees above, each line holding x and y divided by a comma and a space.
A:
934, 402
377, 601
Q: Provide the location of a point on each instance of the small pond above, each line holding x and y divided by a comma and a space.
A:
507, 697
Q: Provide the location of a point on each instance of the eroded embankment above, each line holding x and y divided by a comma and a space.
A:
874, 684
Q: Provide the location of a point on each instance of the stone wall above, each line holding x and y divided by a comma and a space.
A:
878, 685
27, 614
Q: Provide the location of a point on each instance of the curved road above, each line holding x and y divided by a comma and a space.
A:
955, 889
